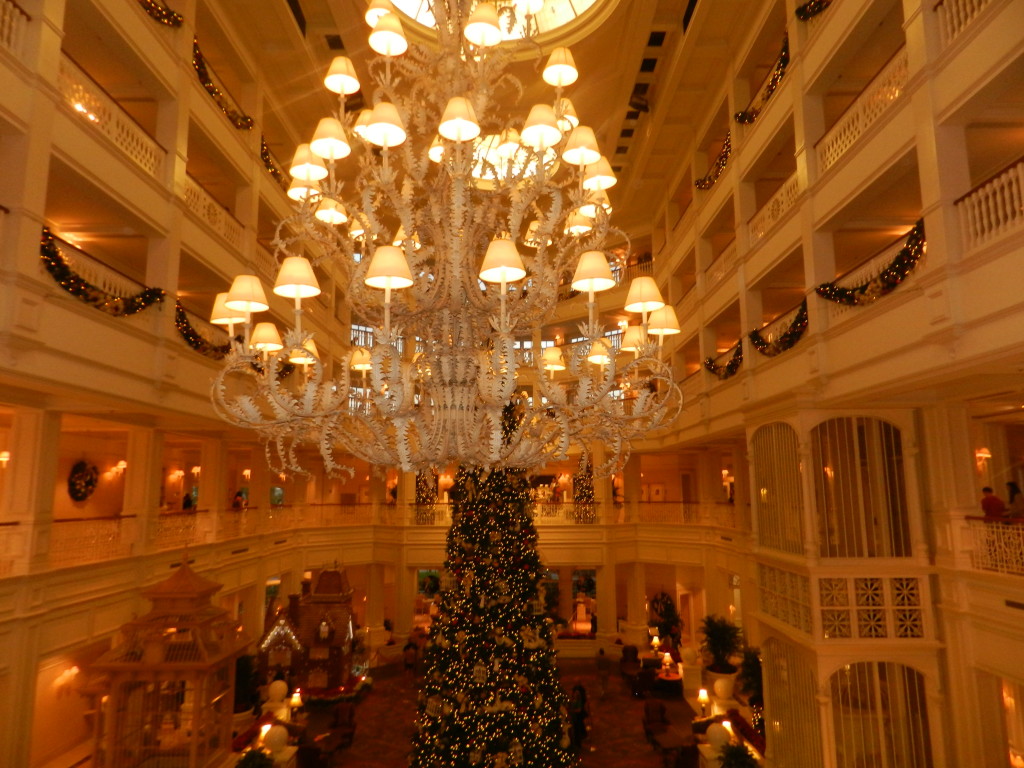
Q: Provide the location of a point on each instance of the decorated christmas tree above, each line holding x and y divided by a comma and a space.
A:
491, 695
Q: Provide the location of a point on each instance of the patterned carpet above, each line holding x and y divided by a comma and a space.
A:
385, 722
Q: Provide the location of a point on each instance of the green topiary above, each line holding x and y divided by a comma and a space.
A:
737, 756
722, 639
750, 680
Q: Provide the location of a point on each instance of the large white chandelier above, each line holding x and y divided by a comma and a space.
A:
453, 234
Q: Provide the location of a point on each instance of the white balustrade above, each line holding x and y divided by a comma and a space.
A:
692, 386
212, 213
175, 530
88, 100
13, 22
955, 15
98, 274
997, 545
266, 264
994, 208
873, 101
720, 267
73, 542
776, 207
862, 274
687, 305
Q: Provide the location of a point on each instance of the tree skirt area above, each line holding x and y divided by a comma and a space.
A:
385, 721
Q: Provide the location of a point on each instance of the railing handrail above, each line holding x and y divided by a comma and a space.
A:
867, 260
206, 192
996, 519
791, 311
19, 9
80, 252
1009, 166
91, 519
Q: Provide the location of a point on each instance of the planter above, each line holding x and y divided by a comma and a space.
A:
720, 684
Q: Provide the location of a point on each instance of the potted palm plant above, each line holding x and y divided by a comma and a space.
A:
736, 756
751, 685
722, 640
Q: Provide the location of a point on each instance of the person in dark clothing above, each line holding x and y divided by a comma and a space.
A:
578, 713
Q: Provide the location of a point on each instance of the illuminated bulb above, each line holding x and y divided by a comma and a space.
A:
331, 212
436, 151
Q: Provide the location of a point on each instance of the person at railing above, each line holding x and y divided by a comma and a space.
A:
991, 504
1015, 500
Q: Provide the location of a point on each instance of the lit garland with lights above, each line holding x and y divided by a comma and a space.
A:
728, 370
194, 339
270, 164
238, 119
811, 9
708, 181
787, 339
491, 694
66, 278
749, 115
162, 13
888, 280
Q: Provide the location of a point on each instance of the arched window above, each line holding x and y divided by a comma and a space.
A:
778, 496
792, 722
879, 716
857, 466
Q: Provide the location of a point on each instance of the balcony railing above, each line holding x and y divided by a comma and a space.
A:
720, 267
955, 15
871, 104
88, 100
994, 207
13, 22
266, 264
687, 305
774, 209
177, 530
90, 540
212, 213
997, 544
96, 273
867, 271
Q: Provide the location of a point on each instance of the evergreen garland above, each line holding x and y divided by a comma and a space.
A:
888, 280
66, 278
749, 115
269, 164
195, 339
491, 695
811, 9
708, 181
786, 340
162, 13
728, 370
238, 119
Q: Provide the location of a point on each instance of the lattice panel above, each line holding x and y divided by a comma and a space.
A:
785, 596
871, 607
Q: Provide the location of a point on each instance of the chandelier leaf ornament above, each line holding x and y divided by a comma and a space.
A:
452, 214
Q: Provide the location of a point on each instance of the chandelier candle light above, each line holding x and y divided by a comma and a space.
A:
452, 220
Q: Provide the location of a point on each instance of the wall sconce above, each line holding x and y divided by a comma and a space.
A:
177, 474
196, 470
981, 456
246, 474
703, 699
5, 456
120, 467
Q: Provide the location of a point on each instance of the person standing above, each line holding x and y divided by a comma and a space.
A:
1015, 500
991, 504
604, 670
578, 713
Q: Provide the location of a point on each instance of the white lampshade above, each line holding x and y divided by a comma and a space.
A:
482, 29
598, 199
360, 360
341, 75
388, 37
305, 354
388, 268
663, 322
436, 151
581, 147
458, 123
303, 190
331, 212
532, 238
560, 69
376, 9
599, 176
567, 118
221, 315
540, 130
385, 127
632, 338
600, 353
356, 226
529, 7
643, 295
551, 359
306, 166
265, 338
509, 143
577, 224
329, 141
362, 120
296, 280
401, 237
593, 273
247, 295
502, 263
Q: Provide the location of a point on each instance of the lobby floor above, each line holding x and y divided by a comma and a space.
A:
385, 722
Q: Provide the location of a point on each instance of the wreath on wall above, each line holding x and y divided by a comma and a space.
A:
82, 480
